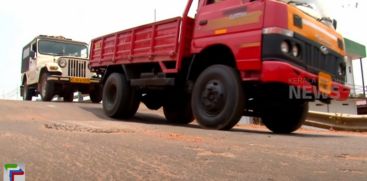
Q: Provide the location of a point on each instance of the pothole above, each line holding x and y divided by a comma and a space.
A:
78, 128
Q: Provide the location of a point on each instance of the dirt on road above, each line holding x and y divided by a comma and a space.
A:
76, 141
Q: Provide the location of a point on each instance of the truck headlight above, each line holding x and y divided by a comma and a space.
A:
284, 47
295, 50
62, 63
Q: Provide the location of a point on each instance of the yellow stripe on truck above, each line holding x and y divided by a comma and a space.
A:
314, 30
228, 21
220, 31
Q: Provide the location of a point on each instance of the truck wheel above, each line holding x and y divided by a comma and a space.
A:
47, 88
152, 101
119, 99
68, 96
284, 117
218, 99
27, 92
178, 110
96, 95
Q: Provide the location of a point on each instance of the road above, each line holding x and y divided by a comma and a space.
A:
75, 141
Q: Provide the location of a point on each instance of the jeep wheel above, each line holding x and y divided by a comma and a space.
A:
119, 99
27, 92
47, 88
218, 99
96, 95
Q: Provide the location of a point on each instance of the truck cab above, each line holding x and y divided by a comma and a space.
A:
54, 65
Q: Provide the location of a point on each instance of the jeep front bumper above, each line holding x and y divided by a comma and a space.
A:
74, 80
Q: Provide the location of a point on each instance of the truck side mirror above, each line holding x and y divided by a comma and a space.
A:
32, 54
335, 23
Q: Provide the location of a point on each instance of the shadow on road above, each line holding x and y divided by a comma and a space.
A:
145, 118
150, 118
98, 112
296, 134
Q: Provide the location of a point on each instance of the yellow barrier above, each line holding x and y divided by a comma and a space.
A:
337, 121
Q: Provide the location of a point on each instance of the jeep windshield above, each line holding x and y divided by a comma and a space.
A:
56, 48
314, 8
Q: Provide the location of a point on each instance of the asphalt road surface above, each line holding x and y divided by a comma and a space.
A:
75, 141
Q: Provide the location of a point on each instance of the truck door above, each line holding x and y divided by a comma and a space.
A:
228, 17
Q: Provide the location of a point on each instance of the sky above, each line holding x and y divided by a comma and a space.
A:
22, 20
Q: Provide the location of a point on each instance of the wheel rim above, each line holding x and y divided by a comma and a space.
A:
213, 97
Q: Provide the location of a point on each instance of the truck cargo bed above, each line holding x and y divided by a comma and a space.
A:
157, 42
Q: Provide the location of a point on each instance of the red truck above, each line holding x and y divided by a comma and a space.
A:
262, 58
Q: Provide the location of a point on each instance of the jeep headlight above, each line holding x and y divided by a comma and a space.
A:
62, 63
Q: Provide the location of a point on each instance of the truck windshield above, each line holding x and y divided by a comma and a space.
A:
62, 49
314, 8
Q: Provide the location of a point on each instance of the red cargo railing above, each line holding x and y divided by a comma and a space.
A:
156, 42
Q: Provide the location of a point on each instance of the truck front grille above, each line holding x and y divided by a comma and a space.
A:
316, 61
77, 68
314, 57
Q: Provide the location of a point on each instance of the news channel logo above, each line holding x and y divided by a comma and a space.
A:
14, 172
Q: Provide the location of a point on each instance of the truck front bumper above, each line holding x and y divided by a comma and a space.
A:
73, 80
282, 72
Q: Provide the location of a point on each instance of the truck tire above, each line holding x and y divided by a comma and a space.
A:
27, 92
153, 101
46, 88
119, 99
178, 110
284, 117
96, 95
68, 96
218, 98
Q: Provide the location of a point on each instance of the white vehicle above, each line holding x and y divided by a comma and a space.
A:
57, 66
